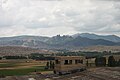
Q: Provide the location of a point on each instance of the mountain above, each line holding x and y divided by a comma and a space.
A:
83, 42
24, 38
60, 42
112, 38
25, 41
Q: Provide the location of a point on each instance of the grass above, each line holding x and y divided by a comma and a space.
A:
11, 68
6, 65
24, 71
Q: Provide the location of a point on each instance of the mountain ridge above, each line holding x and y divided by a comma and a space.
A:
112, 38
65, 41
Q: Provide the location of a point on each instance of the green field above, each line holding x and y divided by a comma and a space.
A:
24, 71
7, 65
11, 68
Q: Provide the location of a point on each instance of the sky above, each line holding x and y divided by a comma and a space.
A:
53, 17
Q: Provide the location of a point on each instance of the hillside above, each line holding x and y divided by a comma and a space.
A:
101, 48
61, 42
15, 50
112, 38
81, 42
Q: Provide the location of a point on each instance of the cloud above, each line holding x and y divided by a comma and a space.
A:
50, 17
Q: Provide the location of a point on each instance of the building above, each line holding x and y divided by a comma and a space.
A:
69, 64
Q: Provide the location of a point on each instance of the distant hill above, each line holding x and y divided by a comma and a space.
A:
86, 42
61, 42
112, 38
101, 48
25, 41
24, 38
17, 50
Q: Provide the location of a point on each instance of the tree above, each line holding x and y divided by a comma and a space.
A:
87, 62
37, 56
52, 65
100, 61
118, 63
96, 61
111, 61
47, 65
0, 58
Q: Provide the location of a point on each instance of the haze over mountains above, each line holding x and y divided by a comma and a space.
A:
62, 42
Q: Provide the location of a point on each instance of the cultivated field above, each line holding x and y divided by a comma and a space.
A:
21, 67
101, 73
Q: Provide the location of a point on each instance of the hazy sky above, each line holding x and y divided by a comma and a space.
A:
52, 17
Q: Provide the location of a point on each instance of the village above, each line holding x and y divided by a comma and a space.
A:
64, 68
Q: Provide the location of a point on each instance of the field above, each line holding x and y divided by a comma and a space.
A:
100, 73
21, 67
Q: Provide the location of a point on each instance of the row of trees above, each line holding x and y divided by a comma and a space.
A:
37, 56
101, 61
86, 53
34, 56
112, 62
13, 57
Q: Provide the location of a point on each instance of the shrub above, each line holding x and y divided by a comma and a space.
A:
111, 61
100, 61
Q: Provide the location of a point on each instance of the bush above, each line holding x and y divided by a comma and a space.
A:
15, 57
0, 58
118, 63
111, 61
101, 61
